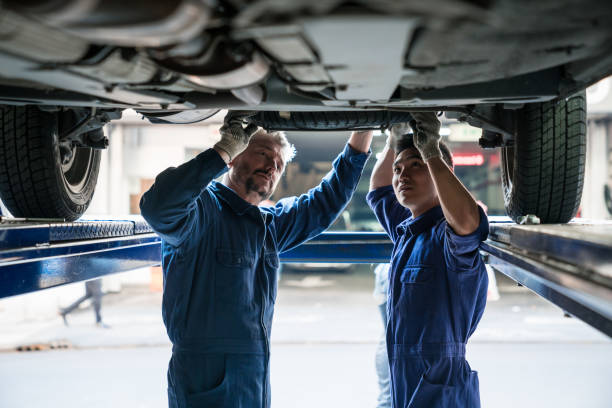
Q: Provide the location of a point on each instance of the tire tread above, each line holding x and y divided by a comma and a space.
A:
549, 161
29, 184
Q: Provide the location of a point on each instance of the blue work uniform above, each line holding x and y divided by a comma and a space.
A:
437, 294
220, 261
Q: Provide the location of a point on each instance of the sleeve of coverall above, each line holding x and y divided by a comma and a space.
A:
298, 219
461, 251
170, 205
387, 209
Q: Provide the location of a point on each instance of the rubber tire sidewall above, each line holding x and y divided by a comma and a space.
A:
521, 198
33, 184
73, 204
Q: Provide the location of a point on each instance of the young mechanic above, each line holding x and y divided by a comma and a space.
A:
438, 282
220, 257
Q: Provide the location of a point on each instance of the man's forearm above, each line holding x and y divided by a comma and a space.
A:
361, 141
459, 207
309, 214
382, 174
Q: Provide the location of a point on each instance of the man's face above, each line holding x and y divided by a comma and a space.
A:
259, 167
412, 182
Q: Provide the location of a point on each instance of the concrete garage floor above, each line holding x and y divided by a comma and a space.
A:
324, 337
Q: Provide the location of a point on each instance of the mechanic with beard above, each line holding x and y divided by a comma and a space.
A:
220, 256
438, 282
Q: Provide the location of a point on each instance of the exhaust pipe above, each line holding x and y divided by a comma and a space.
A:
137, 23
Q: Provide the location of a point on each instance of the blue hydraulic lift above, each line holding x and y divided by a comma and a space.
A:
569, 265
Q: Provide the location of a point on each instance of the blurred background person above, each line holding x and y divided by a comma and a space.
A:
93, 291
381, 286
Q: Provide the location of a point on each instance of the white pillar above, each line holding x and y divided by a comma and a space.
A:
596, 171
118, 196
111, 196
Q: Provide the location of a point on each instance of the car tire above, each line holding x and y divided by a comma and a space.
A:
344, 120
33, 181
543, 172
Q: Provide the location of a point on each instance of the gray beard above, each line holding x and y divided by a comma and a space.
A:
250, 187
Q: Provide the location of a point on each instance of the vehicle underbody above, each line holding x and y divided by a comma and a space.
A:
322, 65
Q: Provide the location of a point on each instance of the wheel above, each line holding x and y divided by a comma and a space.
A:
543, 172
33, 180
344, 120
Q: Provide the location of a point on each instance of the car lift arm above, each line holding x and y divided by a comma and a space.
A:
569, 265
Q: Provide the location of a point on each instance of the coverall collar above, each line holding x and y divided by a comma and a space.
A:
235, 202
424, 222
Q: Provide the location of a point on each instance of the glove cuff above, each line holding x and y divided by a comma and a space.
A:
429, 151
232, 147
224, 148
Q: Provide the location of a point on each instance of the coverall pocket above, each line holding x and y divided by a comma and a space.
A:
217, 397
430, 395
416, 274
417, 293
234, 277
208, 390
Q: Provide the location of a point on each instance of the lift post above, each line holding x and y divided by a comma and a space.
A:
569, 265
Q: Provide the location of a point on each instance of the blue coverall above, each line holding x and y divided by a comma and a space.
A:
220, 261
437, 294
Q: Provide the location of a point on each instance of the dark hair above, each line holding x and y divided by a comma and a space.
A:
406, 142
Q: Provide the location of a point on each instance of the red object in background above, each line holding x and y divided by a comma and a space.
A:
471, 159
494, 160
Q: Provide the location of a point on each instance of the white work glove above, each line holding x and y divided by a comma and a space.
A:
235, 138
426, 127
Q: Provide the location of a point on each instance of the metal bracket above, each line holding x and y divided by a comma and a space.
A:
492, 118
87, 133
497, 121
491, 140
94, 121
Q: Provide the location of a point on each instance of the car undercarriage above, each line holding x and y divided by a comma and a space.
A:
516, 69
